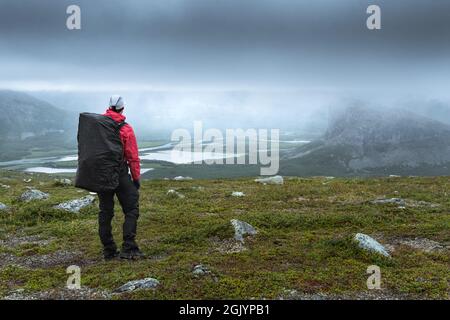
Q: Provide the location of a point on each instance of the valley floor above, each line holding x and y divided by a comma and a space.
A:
303, 248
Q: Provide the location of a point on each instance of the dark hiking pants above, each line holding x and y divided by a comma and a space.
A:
128, 197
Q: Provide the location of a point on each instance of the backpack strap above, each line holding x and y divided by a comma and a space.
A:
121, 124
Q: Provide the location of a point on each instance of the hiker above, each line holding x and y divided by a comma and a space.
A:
127, 191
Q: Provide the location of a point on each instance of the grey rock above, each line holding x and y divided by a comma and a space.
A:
14, 241
423, 244
396, 201
295, 295
3, 207
76, 205
64, 182
421, 204
228, 246
84, 293
147, 283
33, 194
242, 229
402, 203
57, 258
200, 270
368, 243
181, 178
4, 186
237, 194
359, 295
271, 180
175, 194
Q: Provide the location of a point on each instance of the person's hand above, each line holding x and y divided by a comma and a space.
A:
137, 184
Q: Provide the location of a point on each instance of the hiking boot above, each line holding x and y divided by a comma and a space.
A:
135, 254
110, 255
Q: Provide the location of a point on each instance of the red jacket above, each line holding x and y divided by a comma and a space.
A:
130, 147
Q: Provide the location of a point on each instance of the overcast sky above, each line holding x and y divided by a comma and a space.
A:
225, 44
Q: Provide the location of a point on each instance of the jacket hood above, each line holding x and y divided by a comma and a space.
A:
115, 115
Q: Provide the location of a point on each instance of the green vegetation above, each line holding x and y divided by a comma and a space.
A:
48, 145
304, 241
52, 152
199, 171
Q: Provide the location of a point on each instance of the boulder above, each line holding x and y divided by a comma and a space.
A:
33, 194
200, 270
271, 180
63, 182
175, 194
396, 201
3, 207
147, 283
181, 178
4, 186
368, 243
237, 194
242, 229
76, 205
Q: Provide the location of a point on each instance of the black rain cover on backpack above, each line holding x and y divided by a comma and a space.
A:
100, 153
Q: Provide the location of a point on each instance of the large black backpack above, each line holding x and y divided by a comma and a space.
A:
100, 153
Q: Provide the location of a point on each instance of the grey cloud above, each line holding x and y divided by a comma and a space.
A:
226, 43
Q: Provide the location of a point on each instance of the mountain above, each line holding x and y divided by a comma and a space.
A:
28, 123
22, 116
367, 141
433, 109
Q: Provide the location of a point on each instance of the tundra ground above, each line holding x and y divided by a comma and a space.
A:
303, 249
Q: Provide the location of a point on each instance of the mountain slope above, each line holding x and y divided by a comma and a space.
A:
27, 124
303, 247
22, 115
361, 140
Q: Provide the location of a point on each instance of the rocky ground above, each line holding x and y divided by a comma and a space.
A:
288, 238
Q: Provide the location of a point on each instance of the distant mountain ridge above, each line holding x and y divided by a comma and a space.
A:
30, 125
361, 140
22, 116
